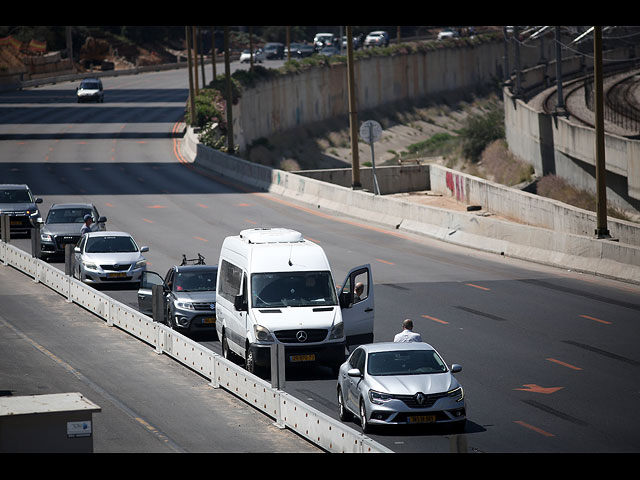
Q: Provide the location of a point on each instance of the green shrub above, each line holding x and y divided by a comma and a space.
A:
480, 130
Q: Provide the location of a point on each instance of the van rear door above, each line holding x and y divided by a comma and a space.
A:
358, 306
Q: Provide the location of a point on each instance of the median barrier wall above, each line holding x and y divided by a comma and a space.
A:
287, 411
580, 252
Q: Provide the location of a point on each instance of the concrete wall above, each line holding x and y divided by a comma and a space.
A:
542, 245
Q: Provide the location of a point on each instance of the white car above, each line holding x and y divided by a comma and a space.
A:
377, 39
90, 90
108, 257
400, 384
446, 34
258, 56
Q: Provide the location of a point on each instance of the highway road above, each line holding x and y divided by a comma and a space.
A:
550, 362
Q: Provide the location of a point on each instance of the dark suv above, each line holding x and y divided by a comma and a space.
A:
18, 202
63, 225
190, 293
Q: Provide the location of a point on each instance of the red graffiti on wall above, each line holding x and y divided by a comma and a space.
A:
455, 184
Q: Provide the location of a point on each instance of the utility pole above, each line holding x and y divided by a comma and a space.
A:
192, 100
560, 109
227, 73
195, 59
353, 115
213, 52
601, 183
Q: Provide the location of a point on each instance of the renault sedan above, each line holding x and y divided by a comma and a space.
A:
109, 257
400, 384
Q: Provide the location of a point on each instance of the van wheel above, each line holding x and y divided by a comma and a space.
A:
250, 361
226, 353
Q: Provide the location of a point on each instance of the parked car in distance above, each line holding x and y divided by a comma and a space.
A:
90, 90
108, 257
62, 226
322, 40
400, 384
378, 38
17, 201
274, 50
355, 42
447, 33
190, 294
258, 56
300, 50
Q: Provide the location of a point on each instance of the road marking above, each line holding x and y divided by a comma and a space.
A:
242, 205
201, 205
201, 239
156, 206
535, 429
532, 387
596, 319
435, 319
477, 286
384, 261
250, 221
568, 365
147, 220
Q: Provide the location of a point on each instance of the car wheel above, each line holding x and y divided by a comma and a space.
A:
250, 361
343, 413
364, 424
226, 353
169, 320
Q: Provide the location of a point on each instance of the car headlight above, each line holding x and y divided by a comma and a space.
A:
379, 397
185, 305
45, 237
456, 392
337, 331
90, 265
262, 334
141, 263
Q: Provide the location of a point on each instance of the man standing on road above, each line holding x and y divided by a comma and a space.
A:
88, 220
407, 334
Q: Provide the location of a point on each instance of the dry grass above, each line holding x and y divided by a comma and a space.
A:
499, 165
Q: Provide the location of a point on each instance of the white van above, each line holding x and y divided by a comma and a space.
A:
274, 286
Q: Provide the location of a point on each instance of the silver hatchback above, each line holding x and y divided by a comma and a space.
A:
400, 383
108, 257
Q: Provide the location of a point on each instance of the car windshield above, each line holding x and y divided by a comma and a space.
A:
67, 215
196, 281
405, 362
292, 289
110, 244
90, 85
15, 196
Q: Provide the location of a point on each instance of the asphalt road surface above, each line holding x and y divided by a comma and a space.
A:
550, 362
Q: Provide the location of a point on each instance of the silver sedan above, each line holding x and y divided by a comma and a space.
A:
109, 257
400, 383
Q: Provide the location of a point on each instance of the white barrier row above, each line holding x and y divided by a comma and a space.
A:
287, 411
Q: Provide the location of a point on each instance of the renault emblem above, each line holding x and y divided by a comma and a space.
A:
301, 336
419, 398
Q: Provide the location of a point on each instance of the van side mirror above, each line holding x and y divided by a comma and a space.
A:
239, 304
344, 300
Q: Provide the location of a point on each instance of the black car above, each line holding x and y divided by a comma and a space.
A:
18, 202
63, 225
274, 50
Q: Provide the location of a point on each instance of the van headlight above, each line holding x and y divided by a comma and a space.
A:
262, 334
337, 331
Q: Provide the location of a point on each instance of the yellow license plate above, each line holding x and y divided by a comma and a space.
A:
421, 419
303, 358
15, 222
209, 320
116, 275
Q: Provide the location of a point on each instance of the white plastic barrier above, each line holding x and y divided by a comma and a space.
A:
288, 412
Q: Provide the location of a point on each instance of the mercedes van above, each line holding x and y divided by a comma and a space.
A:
275, 286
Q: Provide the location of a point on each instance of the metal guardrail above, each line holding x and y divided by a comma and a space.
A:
287, 411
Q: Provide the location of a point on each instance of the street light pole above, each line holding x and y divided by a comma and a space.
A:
601, 184
353, 114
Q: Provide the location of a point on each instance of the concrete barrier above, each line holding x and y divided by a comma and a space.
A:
558, 248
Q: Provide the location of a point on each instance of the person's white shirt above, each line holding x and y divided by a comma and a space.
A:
407, 336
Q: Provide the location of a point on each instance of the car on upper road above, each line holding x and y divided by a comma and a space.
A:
447, 33
90, 90
17, 201
190, 296
62, 226
258, 56
378, 38
108, 257
300, 50
322, 40
400, 384
355, 42
274, 50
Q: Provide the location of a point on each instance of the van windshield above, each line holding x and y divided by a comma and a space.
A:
292, 289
